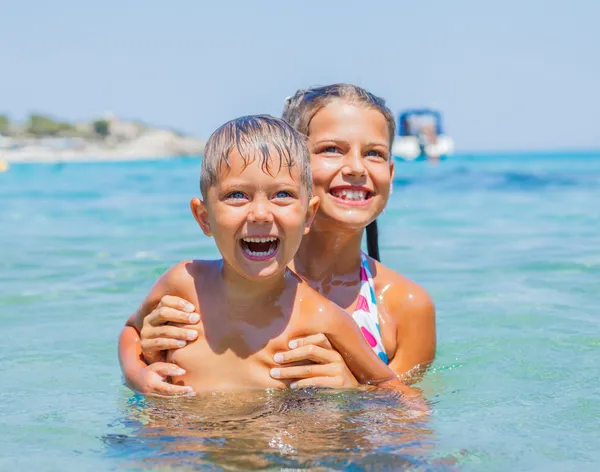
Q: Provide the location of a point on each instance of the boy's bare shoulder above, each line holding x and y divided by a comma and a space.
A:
399, 293
182, 277
187, 274
179, 280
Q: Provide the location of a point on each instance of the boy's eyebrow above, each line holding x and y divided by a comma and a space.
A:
244, 183
236, 183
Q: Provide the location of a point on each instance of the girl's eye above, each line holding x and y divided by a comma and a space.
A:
374, 153
330, 150
283, 194
236, 195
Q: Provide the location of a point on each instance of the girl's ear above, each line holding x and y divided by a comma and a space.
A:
200, 213
311, 211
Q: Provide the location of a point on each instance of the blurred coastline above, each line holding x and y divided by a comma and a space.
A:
44, 139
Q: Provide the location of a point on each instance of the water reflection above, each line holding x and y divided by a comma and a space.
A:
274, 429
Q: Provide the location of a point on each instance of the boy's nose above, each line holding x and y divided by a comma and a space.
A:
260, 212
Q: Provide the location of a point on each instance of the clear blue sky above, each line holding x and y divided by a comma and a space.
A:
515, 74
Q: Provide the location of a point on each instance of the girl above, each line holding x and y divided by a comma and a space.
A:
350, 134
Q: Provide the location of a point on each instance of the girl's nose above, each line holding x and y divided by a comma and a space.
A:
354, 164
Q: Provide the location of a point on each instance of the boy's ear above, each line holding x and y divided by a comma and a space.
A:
200, 213
311, 211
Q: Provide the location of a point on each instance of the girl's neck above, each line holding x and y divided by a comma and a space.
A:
327, 253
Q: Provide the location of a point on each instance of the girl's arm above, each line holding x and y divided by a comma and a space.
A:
146, 379
346, 338
413, 313
150, 320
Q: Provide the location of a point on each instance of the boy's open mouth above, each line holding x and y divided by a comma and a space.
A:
351, 195
260, 248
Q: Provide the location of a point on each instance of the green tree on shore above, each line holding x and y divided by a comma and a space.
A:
102, 128
40, 125
4, 124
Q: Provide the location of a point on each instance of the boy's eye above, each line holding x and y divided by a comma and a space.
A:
283, 194
235, 195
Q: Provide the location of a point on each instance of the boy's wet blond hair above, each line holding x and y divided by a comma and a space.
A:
260, 137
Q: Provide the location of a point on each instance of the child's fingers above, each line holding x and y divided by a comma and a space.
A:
327, 382
159, 387
165, 314
161, 344
169, 390
309, 352
165, 369
178, 303
315, 339
170, 332
306, 371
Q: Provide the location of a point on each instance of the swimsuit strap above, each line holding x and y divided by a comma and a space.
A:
366, 314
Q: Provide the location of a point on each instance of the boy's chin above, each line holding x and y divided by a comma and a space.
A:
260, 271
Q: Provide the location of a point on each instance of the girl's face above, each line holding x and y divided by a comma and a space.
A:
351, 164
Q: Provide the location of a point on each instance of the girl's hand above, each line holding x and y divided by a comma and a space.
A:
152, 381
156, 336
328, 368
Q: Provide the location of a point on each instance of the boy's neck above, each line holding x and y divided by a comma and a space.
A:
241, 292
328, 253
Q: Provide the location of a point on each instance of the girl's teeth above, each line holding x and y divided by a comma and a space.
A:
351, 194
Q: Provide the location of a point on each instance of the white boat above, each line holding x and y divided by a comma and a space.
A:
420, 136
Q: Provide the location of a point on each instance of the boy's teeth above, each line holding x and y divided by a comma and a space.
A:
262, 253
260, 240
347, 194
264, 247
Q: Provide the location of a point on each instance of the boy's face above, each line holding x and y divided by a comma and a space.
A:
257, 220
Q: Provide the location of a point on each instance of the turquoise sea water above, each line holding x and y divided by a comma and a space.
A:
507, 245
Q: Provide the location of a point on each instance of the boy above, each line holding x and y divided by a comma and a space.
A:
256, 189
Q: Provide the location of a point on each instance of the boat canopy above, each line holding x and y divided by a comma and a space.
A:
411, 121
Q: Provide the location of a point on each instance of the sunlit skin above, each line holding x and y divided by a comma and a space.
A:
350, 149
350, 145
250, 306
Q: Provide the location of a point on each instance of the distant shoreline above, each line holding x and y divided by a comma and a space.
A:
156, 144
44, 140
96, 160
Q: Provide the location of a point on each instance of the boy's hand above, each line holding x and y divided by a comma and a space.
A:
152, 381
328, 368
156, 336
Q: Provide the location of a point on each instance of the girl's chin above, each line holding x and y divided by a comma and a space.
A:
351, 215
341, 221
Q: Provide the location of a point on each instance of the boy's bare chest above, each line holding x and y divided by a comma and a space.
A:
235, 353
